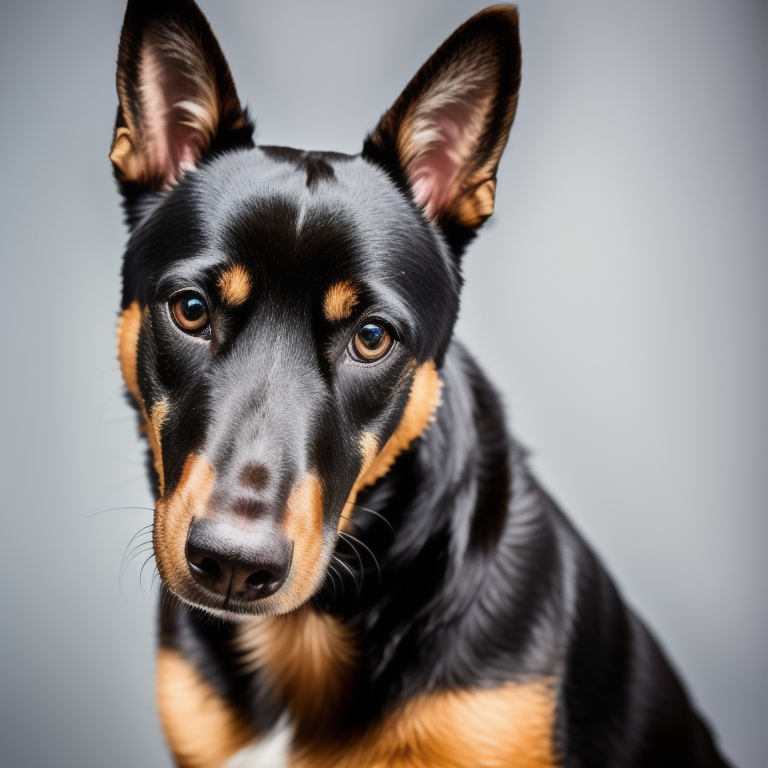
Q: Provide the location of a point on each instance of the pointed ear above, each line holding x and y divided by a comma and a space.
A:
177, 98
445, 134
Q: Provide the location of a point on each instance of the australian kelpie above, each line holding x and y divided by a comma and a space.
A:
358, 569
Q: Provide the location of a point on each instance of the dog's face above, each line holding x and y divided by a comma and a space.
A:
285, 313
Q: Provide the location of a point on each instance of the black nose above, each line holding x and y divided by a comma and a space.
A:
237, 562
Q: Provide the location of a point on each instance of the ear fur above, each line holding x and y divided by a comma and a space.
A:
177, 98
444, 135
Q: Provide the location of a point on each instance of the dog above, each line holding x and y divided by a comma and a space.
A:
358, 568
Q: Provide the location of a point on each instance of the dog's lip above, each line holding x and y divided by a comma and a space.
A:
230, 610
218, 612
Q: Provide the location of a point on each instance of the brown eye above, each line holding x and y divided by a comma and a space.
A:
190, 312
371, 343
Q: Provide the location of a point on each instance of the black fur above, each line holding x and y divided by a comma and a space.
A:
465, 575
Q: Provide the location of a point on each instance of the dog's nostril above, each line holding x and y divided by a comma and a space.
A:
209, 566
259, 580
237, 564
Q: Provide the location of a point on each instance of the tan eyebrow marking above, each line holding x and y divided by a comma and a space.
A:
235, 285
340, 299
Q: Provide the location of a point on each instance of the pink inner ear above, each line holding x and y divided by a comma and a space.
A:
172, 116
441, 144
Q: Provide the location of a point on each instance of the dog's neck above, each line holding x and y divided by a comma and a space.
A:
447, 539
435, 569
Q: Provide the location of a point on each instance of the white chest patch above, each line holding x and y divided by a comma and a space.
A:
271, 751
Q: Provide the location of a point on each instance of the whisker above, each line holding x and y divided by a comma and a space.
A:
130, 551
106, 371
334, 572
357, 555
349, 520
351, 573
143, 531
164, 597
143, 541
141, 572
117, 509
155, 576
140, 549
332, 581
373, 512
114, 487
367, 548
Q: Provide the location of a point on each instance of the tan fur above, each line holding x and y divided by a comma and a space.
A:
201, 729
419, 411
157, 417
128, 327
419, 137
304, 527
448, 109
173, 515
510, 726
340, 299
235, 285
309, 658
475, 207
123, 155
142, 150
369, 447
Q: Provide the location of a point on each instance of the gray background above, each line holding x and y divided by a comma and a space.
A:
617, 299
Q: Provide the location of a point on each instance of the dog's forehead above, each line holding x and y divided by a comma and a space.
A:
278, 201
287, 228
296, 219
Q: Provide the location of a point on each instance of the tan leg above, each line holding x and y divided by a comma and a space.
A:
202, 730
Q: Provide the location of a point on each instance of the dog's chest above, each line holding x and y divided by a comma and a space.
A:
311, 661
511, 725
308, 660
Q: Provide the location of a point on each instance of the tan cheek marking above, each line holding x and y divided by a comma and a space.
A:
340, 299
310, 659
369, 447
507, 726
419, 411
128, 327
157, 417
235, 285
172, 517
201, 729
304, 527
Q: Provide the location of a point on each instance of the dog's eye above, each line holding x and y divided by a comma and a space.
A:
190, 312
370, 343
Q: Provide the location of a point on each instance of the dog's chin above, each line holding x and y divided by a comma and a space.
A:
239, 611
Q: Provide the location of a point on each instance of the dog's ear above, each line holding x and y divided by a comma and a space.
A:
177, 98
444, 135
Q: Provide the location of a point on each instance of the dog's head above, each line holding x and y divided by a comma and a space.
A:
285, 313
